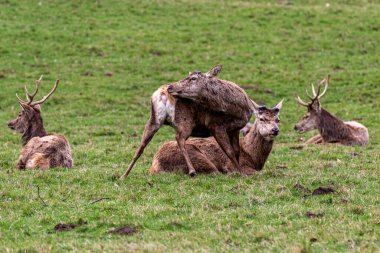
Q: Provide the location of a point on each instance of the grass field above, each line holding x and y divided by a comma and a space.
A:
111, 55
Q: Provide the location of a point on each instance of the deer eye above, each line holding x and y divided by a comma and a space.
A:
262, 120
193, 78
277, 121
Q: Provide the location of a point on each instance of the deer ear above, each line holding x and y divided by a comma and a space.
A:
25, 107
37, 107
278, 106
245, 130
214, 71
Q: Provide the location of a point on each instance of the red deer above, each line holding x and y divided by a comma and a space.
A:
40, 149
193, 119
331, 129
207, 156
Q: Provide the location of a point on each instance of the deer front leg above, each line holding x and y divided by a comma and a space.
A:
223, 140
20, 164
234, 140
151, 128
315, 140
182, 134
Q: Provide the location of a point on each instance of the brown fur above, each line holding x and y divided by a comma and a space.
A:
193, 119
40, 149
207, 156
331, 128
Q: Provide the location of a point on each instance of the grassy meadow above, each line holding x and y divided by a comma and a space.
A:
112, 55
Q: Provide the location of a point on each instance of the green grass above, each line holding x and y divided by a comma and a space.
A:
111, 56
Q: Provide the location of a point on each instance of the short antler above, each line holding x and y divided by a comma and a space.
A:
30, 97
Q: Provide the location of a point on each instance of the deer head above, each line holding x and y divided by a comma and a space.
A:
310, 120
194, 83
30, 115
267, 121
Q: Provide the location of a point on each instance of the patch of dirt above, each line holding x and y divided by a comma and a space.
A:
314, 215
123, 231
109, 74
313, 239
285, 3
297, 147
300, 187
354, 154
64, 227
87, 73
323, 191
282, 167
344, 200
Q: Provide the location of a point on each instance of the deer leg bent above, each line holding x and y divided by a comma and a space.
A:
315, 140
150, 129
223, 140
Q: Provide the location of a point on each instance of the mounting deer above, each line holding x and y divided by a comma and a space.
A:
40, 149
224, 109
331, 129
207, 156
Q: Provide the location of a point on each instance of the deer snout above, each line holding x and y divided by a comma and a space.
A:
275, 131
11, 125
171, 90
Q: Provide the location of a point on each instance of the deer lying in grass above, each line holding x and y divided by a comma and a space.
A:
331, 129
208, 157
40, 149
192, 119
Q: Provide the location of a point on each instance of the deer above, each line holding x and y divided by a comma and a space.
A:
207, 156
331, 128
189, 118
39, 149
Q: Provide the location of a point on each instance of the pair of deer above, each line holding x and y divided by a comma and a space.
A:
199, 105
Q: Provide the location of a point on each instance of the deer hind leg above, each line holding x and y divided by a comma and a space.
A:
315, 140
150, 130
183, 132
223, 140
38, 160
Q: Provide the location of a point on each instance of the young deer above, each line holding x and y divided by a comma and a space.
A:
192, 119
331, 129
208, 157
40, 149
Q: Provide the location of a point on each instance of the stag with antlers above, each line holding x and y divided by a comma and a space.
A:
331, 129
40, 149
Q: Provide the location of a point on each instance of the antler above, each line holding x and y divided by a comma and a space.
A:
30, 97
48, 95
316, 95
326, 85
301, 102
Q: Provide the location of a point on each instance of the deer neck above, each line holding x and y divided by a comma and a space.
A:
331, 128
255, 149
36, 129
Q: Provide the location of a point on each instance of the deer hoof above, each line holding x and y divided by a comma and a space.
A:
192, 173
